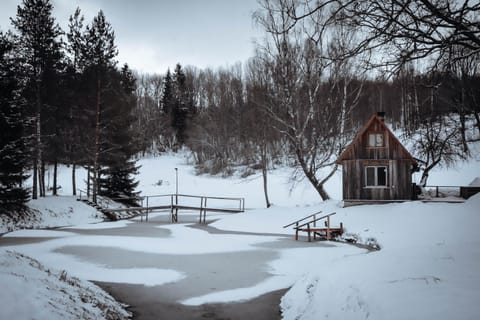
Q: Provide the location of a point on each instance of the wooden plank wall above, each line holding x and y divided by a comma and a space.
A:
399, 180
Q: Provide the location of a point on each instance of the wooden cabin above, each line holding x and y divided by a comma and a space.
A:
376, 166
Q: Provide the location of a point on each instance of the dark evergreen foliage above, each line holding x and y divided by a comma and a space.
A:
118, 164
39, 46
177, 103
14, 156
167, 98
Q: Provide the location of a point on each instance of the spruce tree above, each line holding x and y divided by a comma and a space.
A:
180, 105
97, 59
14, 155
167, 97
118, 165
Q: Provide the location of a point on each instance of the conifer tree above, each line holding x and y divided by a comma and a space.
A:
39, 46
75, 132
180, 105
167, 98
14, 155
97, 60
119, 166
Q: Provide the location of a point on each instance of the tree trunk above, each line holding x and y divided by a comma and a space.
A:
264, 169
88, 182
42, 179
55, 165
35, 179
463, 128
424, 178
311, 176
321, 191
74, 181
265, 187
38, 137
426, 171
477, 117
97, 145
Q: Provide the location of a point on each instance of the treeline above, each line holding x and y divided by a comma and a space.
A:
64, 100
228, 104
234, 117
322, 71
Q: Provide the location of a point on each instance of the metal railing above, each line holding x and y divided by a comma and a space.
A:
441, 191
174, 202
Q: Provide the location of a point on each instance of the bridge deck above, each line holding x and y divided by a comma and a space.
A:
154, 208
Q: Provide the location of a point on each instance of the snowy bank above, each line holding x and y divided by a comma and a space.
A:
51, 212
32, 291
427, 268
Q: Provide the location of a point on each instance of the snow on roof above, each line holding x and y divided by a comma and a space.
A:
475, 182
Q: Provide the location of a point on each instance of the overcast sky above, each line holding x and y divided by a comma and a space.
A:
153, 35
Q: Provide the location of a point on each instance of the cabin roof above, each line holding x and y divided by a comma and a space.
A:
375, 118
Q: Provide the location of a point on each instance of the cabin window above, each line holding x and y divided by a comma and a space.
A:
376, 176
375, 140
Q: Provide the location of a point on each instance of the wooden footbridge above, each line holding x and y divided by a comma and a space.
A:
171, 202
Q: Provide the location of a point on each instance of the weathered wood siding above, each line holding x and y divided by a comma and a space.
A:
399, 180
391, 154
360, 149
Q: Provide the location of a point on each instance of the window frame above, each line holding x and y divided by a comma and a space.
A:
375, 177
373, 137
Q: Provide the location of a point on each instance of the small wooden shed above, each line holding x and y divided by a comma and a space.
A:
376, 166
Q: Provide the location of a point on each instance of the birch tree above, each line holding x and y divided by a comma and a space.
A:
305, 107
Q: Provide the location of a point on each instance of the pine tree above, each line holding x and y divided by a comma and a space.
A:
14, 156
75, 133
40, 48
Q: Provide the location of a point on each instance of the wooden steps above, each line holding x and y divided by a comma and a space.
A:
311, 228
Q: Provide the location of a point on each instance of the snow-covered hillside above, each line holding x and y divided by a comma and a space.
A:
31, 290
427, 266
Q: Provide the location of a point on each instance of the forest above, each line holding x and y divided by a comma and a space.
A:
322, 70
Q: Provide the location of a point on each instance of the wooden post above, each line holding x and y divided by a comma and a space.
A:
201, 209
308, 230
146, 217
205, 211
328, 228
296, 231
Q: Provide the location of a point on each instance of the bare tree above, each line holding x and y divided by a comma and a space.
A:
437, 143
409, 29
462, 79
311, 92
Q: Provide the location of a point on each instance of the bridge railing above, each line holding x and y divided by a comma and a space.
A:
174, 202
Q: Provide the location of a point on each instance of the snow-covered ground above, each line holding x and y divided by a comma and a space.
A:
427, 267
31, 290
